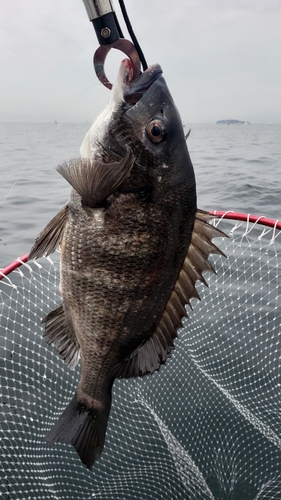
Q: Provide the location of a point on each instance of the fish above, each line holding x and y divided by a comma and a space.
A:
132, 246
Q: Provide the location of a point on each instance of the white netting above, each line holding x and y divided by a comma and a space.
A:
207, 426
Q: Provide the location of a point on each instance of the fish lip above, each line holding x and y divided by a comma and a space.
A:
135, 90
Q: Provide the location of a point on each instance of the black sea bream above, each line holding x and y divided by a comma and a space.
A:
132, 247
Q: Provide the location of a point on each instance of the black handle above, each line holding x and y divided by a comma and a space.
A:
107, 28
105, 22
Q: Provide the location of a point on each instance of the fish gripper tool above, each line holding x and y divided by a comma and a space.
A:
101, 13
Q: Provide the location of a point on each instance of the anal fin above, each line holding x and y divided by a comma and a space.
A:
61, 336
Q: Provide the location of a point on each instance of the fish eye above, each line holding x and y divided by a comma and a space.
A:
156, 131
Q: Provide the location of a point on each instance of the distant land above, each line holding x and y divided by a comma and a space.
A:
232, 122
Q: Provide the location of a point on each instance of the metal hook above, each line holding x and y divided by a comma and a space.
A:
101, 53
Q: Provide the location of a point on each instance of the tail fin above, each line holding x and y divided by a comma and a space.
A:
84, 427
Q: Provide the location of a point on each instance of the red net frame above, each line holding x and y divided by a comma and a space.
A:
255, 219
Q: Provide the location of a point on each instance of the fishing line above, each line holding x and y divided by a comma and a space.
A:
43, 143
132, 34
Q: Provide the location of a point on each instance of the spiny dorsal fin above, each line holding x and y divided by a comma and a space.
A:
95, 181
50, 238
154, 353
61, 336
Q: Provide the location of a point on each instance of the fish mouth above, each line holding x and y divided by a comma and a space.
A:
134, 90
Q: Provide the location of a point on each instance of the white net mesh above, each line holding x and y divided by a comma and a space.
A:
207, 426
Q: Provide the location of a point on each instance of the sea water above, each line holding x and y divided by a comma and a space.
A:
237, 167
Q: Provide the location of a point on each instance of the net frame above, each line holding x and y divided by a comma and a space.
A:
231, 215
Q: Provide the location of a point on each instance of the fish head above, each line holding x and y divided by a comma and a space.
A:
141, 115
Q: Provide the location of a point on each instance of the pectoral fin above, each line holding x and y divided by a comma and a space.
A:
95, 181
50, 238
154, 353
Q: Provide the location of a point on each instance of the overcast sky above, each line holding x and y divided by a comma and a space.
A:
221, 58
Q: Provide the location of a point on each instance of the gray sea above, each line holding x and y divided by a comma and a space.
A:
237, 168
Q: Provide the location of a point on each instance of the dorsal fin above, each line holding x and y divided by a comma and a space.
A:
154, 353
95, 181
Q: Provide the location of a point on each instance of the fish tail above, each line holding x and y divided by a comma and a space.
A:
84, 427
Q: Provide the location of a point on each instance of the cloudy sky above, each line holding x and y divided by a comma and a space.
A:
221, 58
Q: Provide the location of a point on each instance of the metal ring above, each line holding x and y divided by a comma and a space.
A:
101, 53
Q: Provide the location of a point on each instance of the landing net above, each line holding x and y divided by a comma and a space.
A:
207, 426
